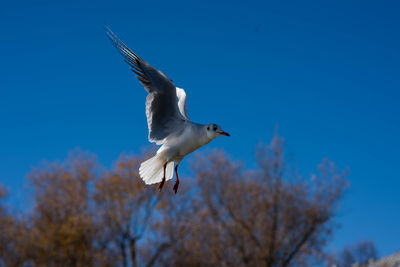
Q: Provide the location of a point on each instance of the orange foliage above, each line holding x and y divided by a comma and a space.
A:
225, 216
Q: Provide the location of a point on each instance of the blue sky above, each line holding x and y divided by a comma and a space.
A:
327, 74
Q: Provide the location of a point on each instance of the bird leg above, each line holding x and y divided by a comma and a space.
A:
160, 186
176, 185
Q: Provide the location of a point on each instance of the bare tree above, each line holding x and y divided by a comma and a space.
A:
124, 207
265, 217
82, 216
360, 253
225, 216
170, 227
62, 227
7, 224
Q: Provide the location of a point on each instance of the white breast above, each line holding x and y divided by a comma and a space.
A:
177, 147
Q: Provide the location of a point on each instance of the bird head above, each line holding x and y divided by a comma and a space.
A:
214, 131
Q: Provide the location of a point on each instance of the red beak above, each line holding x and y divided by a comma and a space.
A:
224, 133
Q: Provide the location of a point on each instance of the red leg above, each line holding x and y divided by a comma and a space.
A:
176, 185
160, 186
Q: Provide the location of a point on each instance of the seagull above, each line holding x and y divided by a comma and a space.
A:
167, 120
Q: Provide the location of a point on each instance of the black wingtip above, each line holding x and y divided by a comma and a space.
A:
110, 34
129, 56
107, 28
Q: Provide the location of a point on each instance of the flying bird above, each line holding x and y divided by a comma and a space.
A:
167, 120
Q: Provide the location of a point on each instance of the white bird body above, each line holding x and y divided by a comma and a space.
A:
167, 119
183, 143
175, 148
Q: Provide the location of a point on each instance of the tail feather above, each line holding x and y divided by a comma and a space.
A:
152, 170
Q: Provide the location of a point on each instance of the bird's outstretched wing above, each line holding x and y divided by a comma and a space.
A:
182, 102
162, 111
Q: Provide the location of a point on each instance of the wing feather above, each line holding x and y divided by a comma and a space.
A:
163, 114
182, 102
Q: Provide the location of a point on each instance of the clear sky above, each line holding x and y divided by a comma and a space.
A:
327, 74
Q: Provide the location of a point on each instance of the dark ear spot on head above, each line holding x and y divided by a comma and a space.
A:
208, 128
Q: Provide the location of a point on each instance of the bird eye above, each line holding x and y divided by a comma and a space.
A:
215, 128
